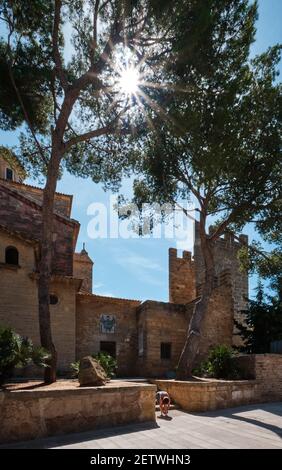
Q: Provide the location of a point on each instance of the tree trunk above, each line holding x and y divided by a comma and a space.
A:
45, 265
192, 343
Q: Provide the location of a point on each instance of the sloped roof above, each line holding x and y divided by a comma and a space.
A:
19, 235
62, 201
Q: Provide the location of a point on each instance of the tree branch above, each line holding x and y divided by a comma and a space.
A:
55, 40
87, 136
108, 129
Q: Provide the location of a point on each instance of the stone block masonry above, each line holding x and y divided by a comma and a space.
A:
210, 394
225, 252
83, 269
161, 322
267, 370
182, 287
146, 337
90, 338
24, 216
19, 300
38, 413
205, 395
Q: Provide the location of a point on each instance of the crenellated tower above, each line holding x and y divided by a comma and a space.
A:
182, 287
186, 274
225, 252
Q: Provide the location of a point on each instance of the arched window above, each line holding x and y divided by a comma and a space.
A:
12, 255
9, 174
54, 299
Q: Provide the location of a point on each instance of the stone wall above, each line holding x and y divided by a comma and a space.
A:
267, 370
225, 251
33, 414
160, 322
265, 384
19, 300
206, 395
182, 287
89, 309
83, 269
20, 215
218, 324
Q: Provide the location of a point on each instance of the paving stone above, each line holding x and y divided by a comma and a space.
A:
254, 427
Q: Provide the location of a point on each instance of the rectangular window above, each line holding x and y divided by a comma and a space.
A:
9, 174
108, 347
165, 350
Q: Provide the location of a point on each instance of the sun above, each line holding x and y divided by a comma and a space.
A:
129, 80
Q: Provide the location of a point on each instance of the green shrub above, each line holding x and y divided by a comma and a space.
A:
108, 363
75, 368
18, 351
219, 365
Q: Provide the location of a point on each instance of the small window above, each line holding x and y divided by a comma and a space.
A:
53, 299
12, 255
165, 350
9, 174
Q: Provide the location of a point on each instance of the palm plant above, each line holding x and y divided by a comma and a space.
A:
18, 351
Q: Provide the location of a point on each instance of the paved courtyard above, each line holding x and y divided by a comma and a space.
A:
254, 426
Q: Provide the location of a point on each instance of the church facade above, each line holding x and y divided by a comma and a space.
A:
145, 337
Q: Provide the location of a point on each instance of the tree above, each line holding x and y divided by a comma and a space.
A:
74, 112
221, 147
263, 323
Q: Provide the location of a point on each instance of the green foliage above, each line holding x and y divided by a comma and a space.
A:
27, 55
27, 52
219, 365
17, 351
212, 149
74, 366
262, 322
12, 161
108, 363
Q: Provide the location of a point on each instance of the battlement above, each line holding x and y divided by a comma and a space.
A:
228, 239
181, 277
187, 255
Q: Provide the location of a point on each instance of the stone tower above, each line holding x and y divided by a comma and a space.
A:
225, 253
83, 268
186, 275
182, 287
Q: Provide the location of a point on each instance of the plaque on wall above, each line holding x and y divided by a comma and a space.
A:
108, 323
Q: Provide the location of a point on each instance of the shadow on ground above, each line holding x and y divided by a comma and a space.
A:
75, 438
234, 413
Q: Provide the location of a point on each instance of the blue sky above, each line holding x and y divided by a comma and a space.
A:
138, 268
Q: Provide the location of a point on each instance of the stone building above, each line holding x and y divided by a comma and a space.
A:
145, 337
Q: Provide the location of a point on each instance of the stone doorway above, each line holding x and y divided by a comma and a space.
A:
108, 347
